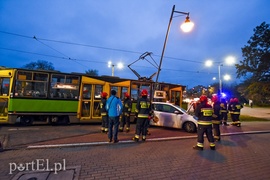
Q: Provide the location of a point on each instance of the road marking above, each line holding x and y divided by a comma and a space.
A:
131, 141
22, 129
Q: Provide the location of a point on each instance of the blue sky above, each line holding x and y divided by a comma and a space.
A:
80, 35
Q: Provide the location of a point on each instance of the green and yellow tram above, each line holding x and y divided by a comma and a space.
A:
28, 96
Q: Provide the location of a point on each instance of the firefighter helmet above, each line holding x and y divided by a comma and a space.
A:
203, 98
104, 94
214, 98
235, 100
144, 92
126, 95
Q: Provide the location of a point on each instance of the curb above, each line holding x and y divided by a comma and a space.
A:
131, 141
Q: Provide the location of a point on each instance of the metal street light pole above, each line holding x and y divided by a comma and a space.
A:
112, 69
220, 81
167, 34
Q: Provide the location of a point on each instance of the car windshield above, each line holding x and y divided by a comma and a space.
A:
185, 111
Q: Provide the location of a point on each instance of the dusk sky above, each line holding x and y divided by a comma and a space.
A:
80, 35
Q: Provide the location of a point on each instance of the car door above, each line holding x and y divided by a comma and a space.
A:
167, 116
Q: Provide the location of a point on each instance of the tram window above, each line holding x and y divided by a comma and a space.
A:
98, 90
31, 84
4, 88
64, 86
87, 90
123, 91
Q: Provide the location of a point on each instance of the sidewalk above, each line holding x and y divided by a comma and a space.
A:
256, 112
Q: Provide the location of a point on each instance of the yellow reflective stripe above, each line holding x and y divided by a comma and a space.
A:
212, 145
235, 112
215, 122
143, 115
137, 136
207, 111
103, 114
204, 122
200, 144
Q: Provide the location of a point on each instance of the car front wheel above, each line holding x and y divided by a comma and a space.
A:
189, 127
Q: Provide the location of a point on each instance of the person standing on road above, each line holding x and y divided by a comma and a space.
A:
204, 112
224, 112
216, 117
104, 114
125, 120
114, 108
236, 108
143, 108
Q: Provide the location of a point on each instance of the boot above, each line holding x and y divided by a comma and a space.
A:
1, 147
198, 148
212, 147
135, 139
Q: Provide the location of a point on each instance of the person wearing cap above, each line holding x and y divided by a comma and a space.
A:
104, 114
125, 120
114, 108
204, 112
143, 108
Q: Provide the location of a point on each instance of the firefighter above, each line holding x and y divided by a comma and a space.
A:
216, 117
104, 114
143, 108
230, 106
224, 112
204, 112
126, 113
236, 108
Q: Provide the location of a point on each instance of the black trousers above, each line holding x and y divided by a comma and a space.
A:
205, 129
141, 127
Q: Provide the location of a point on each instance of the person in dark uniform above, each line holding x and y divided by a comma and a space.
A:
224, 112
236, 108
143, 108
126, 114
104, 114
204, 112
216, 117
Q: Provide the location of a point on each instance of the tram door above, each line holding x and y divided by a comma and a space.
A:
90, 108
176, 97
4, 97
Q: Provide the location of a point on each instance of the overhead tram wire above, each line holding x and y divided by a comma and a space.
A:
101, 62
58, 51
98, 47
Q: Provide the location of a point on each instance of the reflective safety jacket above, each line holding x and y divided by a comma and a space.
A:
223, 107
127, 106
236, 108
102, 105
204, 112
143, 108
216, 113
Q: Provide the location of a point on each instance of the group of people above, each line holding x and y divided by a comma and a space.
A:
113, 108
211, 116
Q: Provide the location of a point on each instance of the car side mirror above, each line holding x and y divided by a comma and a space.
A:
176, 112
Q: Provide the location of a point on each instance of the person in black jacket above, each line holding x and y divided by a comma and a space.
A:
104, 114
216, 117
143, 108
125, 120
224, 112
204, 112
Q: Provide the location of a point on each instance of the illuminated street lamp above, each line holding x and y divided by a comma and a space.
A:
111, 65
187, 26
229, 60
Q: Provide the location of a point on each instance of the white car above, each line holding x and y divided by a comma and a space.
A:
169, 115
